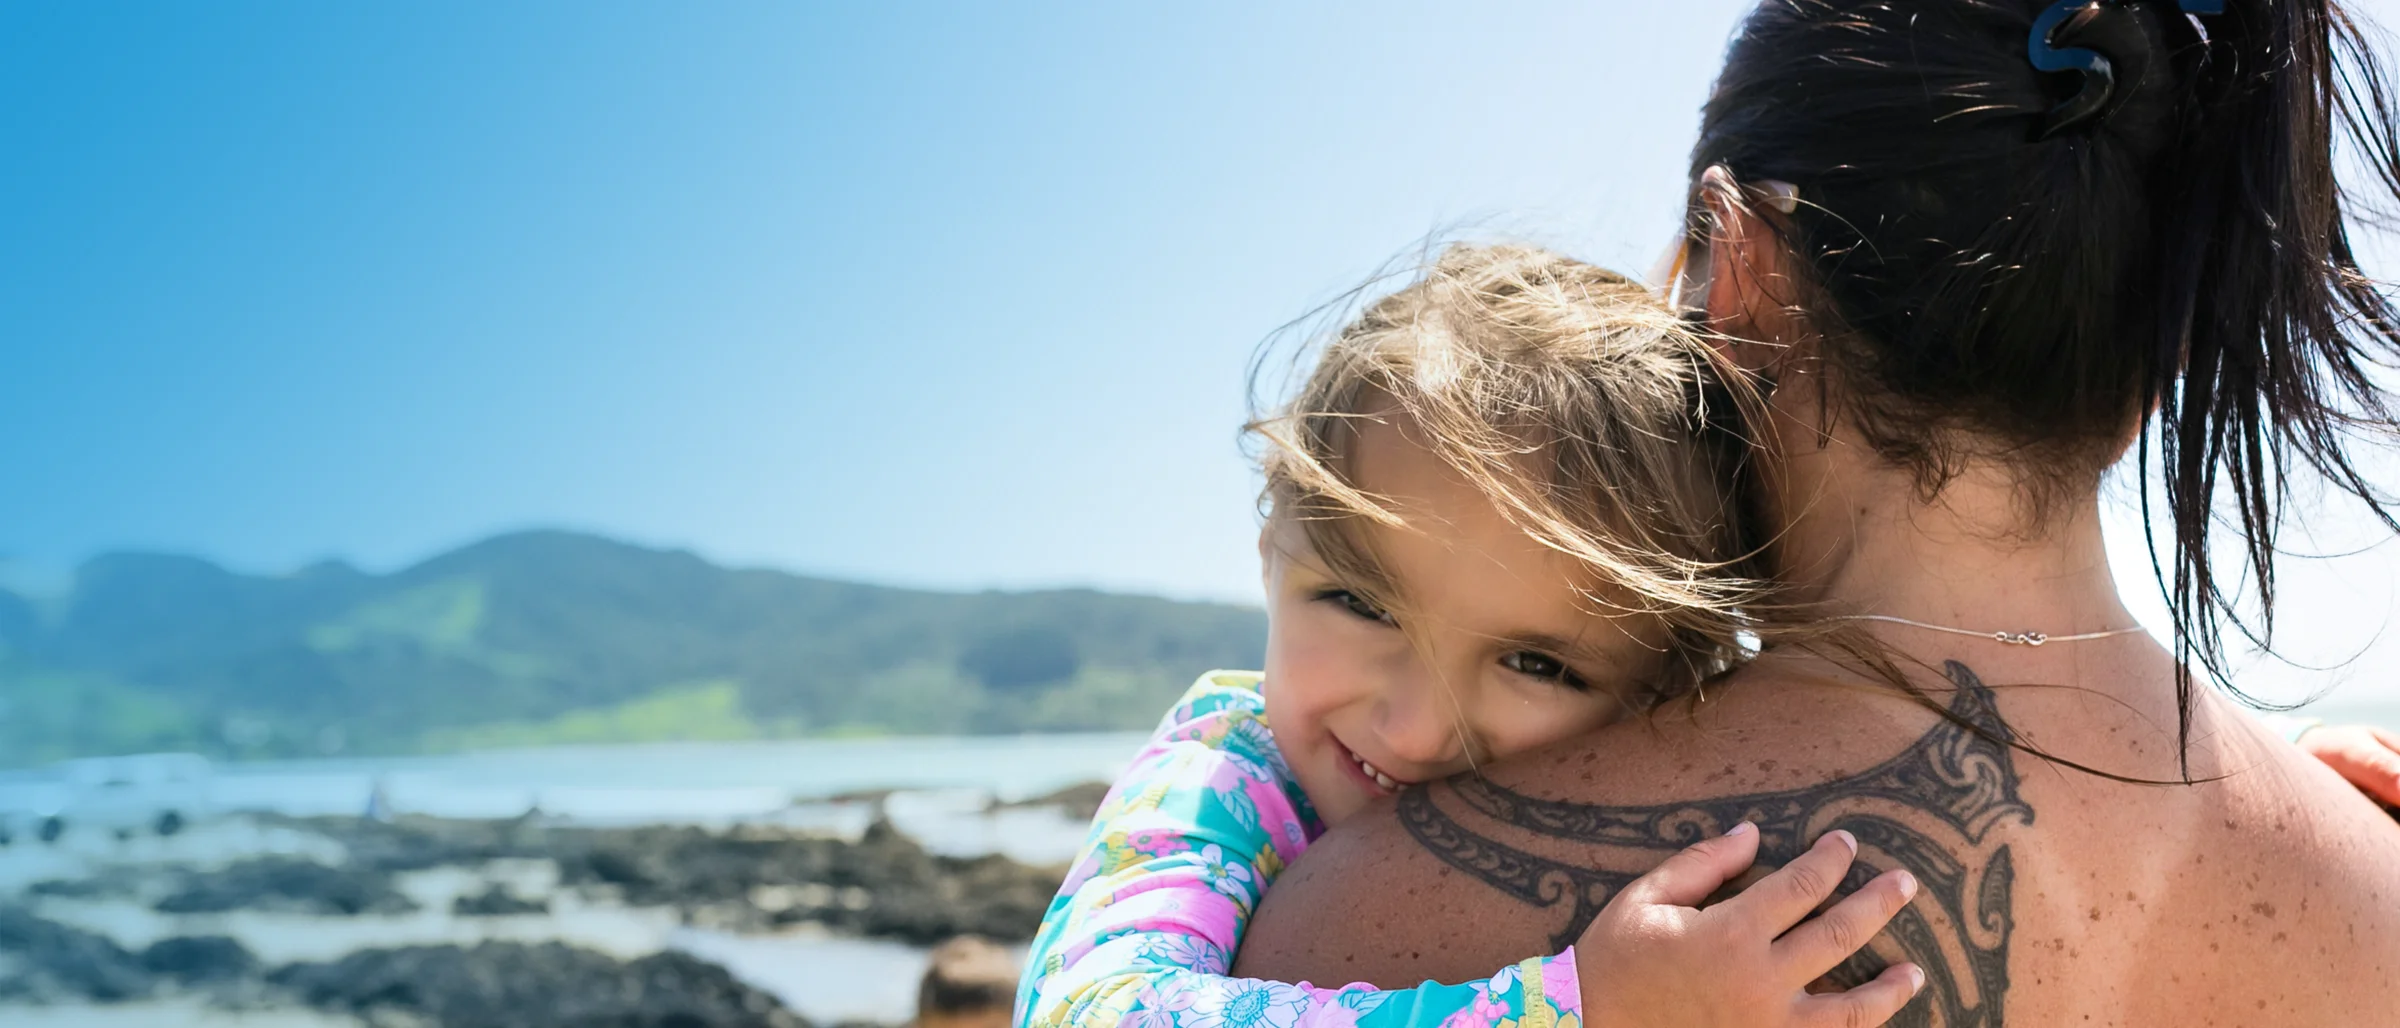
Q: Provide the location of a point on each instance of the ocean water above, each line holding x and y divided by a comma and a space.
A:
676, 781
2336, 710
711, 784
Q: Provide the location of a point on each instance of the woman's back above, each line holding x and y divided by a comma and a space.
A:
2050, 896
2270, 896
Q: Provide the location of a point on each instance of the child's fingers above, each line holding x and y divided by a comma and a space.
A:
2368, 757
1688, 877
1821, 943
2386, 759
1780, 900
1866, 1006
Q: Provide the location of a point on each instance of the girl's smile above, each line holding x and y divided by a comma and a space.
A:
1370, 776
1486, 647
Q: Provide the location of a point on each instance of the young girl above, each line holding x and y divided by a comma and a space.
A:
1497, 519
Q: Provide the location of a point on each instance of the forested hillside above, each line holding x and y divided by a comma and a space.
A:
551, 637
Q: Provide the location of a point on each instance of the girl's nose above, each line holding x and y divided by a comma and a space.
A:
1419, 723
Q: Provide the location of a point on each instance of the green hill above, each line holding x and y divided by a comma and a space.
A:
551, 637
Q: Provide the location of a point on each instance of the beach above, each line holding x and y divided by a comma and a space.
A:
714, 888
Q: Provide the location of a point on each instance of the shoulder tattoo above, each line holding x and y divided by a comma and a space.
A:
1931, 809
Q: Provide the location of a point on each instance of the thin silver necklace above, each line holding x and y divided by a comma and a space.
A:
2011, 638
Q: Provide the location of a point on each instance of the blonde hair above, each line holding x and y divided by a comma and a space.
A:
1589, 414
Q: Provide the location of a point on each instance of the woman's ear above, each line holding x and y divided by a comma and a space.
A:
1752, 299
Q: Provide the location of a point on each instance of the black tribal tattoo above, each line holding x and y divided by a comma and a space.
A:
1931, 810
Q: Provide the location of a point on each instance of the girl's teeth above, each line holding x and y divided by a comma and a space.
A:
1385, 781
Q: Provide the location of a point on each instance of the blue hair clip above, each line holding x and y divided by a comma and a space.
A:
2099, 74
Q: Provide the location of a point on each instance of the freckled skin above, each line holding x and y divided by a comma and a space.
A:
2265, 898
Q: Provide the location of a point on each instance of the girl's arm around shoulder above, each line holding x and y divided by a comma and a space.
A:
1654, 958
1145, 929
1146, 925
1188, 839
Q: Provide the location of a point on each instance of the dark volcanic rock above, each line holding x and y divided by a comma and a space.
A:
497, 901
417, 843
43, 960
287, 884
108, 883
80, 889
200, 959
510, 985
883, 885
1079, 802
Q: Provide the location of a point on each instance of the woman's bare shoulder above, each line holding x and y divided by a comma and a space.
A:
2266, 886
2127, 883
1449, 881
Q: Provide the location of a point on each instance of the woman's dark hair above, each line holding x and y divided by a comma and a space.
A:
1985, 289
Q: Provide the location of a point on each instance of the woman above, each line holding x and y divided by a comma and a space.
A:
1980, 250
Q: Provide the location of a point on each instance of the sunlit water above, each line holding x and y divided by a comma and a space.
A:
679, 782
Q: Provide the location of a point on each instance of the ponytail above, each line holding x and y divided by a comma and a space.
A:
2267, 328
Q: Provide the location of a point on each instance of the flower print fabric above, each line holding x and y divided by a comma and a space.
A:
1145, 928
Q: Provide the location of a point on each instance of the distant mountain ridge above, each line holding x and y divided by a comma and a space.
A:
544, 637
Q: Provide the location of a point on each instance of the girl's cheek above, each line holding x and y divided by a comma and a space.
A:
1303, 660
1288, 675
1296, 687
1533, 726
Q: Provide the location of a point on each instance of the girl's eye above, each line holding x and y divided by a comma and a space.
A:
1545, 667
1356, 604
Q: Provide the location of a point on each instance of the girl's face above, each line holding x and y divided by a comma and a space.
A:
1501, 653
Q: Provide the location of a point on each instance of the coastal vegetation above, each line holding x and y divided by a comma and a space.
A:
545, 638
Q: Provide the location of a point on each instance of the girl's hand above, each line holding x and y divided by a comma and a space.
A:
1652, 959
2368, 757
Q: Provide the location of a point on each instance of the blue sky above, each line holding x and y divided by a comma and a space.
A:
959, 297
955, 297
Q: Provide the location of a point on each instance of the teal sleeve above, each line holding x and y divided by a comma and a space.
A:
1145, 927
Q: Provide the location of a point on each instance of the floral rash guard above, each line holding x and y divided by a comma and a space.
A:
1144, 930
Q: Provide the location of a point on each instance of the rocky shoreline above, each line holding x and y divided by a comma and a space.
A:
488, 985
745, 880
880, 885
